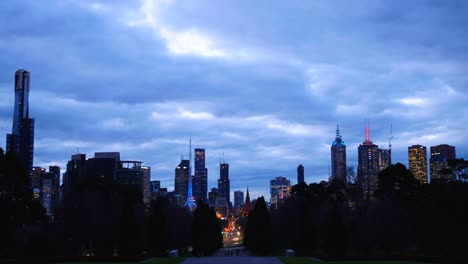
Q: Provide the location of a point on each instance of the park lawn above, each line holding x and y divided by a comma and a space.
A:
306, 260
166, 261
155, 261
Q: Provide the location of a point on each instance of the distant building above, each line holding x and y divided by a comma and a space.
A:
300, 174
247, 205
368, 166
75, 174
200, 183
130, 176
212, 197
440, 156
103, 165
181, 179
224, 182
21, 139
280, 188
338, 157
385, 158
154, 189
56, 187
146, 184
49, 192
35, 177
238, 199
417, 160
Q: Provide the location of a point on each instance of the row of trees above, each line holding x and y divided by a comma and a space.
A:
100, 218
333, 219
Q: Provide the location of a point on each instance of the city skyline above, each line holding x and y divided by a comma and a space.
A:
268, 96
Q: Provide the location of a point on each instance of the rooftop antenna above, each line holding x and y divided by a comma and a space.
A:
190, 202
223, 158
77, 150
390, 139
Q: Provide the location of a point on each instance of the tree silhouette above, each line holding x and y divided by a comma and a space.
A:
258, 233
17, 207
158, 227
206, 230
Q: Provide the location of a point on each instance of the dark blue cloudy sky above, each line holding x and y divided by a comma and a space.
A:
265, 82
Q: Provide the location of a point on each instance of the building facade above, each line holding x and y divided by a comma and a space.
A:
146, 184
200, 183
238, 199
224, 182
181, 178
368, 166
280, 188
440, 156
21, 139
49, 192
417, 161
338, 158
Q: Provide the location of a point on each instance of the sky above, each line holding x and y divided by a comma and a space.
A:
264, 82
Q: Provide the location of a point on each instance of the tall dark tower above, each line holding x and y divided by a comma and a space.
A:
338, 157
300, 174
200, 184
368, 166
224, 182
181, 180
21, 139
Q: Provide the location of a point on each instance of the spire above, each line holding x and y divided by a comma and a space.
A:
337, 131
190, 202
367, 132
367, 140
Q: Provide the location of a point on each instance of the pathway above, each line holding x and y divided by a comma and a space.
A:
233, 260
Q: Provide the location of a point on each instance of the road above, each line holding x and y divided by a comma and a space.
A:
233, 260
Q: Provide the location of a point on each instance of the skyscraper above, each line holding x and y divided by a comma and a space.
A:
181, 178
224, 182
146, 184
385, 158
368, 166
300, 174
49, 191
238, 199
338, 157
417, 160
440, 156
200, 184
280, 188
21, 139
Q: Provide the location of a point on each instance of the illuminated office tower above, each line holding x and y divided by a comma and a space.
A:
417, 160
280, 188
200, 183
368, 166
224, 182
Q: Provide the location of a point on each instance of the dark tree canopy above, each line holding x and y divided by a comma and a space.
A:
258, 233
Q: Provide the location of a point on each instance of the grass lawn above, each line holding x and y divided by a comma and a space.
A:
156, 261
305, 260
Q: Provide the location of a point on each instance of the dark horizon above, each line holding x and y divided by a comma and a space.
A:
267, 92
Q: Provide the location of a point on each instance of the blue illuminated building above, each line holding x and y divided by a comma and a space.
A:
338, 157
